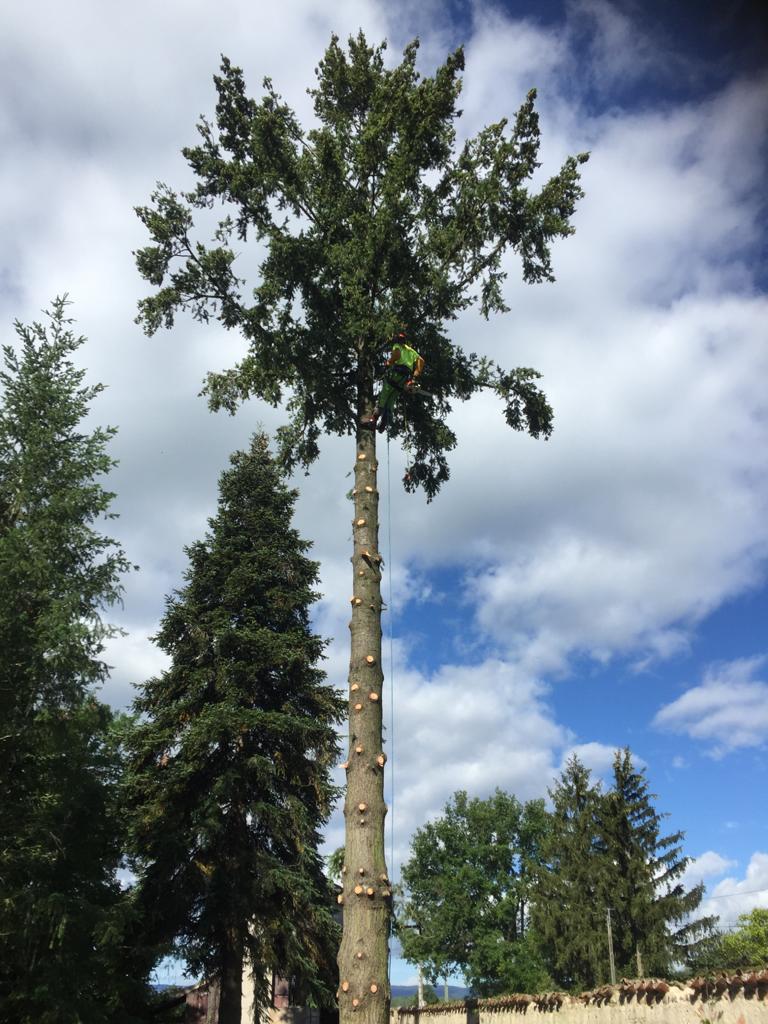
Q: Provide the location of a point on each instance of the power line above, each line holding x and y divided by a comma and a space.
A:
744, 892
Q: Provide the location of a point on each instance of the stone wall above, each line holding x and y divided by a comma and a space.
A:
727, 999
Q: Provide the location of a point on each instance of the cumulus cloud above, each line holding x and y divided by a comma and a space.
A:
727, 711
707, 865
733, 896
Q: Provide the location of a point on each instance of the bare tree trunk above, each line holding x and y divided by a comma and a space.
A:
214, 995
231, 992
364, 991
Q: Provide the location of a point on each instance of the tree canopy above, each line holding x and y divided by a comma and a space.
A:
467, 885
63, 954
229, 776
370, 218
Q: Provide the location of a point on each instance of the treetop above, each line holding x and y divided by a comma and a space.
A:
368, 219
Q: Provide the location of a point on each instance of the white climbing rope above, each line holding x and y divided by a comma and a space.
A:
391, 676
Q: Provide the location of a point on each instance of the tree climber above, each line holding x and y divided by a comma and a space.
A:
400, 372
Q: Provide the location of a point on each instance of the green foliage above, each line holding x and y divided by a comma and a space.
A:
228, 781
568, 912
652, 911
605, 850
746, 946
63, 917
468, 884
335, 862
369, 219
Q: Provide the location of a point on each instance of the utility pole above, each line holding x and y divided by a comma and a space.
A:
420, 995
446, 995
610, 947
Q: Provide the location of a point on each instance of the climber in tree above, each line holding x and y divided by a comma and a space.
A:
400, 371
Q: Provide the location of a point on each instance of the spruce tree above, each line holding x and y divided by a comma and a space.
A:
568, 914
229, 776
369, 219
651, 911
62, 913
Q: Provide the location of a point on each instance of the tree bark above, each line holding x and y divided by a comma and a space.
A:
364, 992
231, 981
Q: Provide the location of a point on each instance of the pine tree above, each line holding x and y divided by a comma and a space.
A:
467, 884
370, 219
62, 913
652, 912
229, 775
568, 914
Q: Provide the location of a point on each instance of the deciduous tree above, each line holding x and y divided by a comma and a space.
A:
229, 776
468, 884
369, 219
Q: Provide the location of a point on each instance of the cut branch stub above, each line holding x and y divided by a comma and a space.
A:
370, 892
345, 765
381, 760
374, 987
373, 696
359, 522
362, 807
359, 956
355, 1003
359, 750
340, 898
345, 986
370, 659
355, 687
369, 489
358, 707
358, 890
360, 457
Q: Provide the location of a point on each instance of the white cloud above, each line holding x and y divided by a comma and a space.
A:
708, 865
734, 896
727, 711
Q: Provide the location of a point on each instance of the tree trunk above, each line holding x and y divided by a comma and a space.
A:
367, 894
231, 982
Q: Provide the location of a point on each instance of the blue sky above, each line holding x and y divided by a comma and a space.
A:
605, 588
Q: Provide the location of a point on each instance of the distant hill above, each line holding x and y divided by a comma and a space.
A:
454, 991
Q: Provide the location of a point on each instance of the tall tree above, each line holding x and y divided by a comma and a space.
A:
370, 219
569, 910
652, 912
468, 883
61, 909
229, 778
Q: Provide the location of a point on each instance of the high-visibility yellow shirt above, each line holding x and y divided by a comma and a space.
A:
408, 356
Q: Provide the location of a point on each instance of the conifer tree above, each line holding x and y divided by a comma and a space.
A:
568, 914
369, 219
229, 776
62, 913
651, 911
